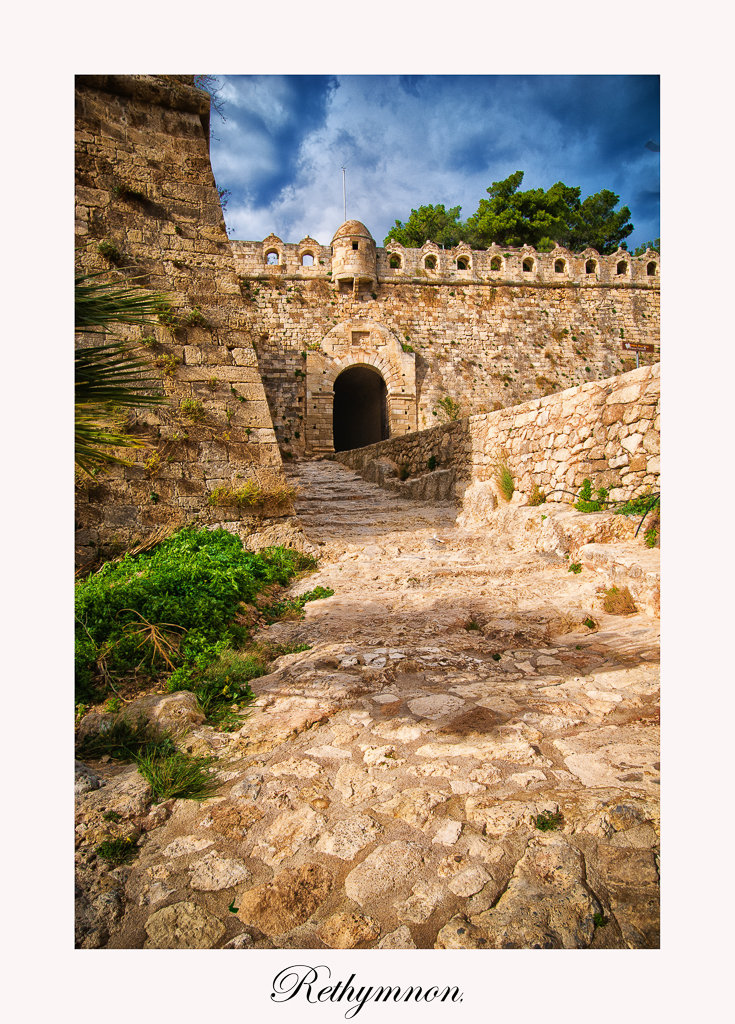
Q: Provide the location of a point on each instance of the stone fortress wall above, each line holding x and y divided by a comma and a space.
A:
145, 192
259, 335
486, 329
608, 431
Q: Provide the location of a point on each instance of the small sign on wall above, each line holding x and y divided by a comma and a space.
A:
638, 346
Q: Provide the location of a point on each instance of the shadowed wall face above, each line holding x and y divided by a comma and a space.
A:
360, 414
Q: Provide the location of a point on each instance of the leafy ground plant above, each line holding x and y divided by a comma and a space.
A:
548, 821
191, 588
117, 851
293, 607
222, 686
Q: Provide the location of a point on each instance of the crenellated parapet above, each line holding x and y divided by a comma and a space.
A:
432, 264
524, 265
307, 258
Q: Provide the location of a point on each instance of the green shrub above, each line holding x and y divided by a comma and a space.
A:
586, 503
118, 851
165, 608
548, 821
221, 685
293, 607
432, 463
575, 567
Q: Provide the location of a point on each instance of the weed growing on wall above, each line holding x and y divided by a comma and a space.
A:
504, 480
251, 494
537, 496
110, 252
586, 503
192, 408
451, 409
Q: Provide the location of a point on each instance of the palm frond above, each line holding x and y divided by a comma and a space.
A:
97, 303
92, 441
109, 376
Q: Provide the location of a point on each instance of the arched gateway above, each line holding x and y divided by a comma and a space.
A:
360, 388
360, 410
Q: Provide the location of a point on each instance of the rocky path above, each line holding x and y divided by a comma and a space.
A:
456, 762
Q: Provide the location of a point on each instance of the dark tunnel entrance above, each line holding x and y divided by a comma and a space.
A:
360, 413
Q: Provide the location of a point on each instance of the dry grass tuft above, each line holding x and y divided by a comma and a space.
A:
537, 496
619, 602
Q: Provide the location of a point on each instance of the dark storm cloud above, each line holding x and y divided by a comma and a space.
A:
299, 109
411, 139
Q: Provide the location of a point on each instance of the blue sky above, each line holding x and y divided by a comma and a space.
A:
409, 140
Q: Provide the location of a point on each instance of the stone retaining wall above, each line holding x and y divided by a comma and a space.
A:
606, 430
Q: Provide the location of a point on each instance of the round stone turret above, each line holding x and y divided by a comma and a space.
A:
354, 261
